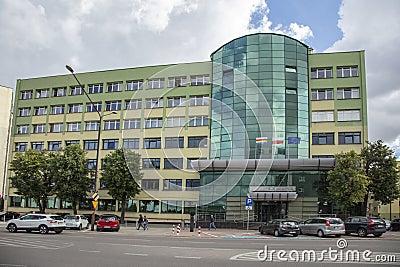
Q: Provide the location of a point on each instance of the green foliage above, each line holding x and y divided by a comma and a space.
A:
70, 170
120, 172
347, 182
381, 169
32, 177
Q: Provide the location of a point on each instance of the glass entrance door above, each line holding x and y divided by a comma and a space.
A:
270, 210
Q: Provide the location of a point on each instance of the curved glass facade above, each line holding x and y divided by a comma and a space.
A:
260, 98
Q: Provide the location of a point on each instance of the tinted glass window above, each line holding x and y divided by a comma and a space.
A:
289, 223
56, 217
335, 221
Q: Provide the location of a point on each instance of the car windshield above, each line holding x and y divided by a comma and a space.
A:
108, 218
289, 223
376, 220
335, 221
71, 217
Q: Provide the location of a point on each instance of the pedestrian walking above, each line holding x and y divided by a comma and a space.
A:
140, 222
145, 223
212, 223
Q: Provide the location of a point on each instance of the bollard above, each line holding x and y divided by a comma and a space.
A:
199, 232
173, 229
178, 230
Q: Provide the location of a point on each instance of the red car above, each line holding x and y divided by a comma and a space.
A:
108, 222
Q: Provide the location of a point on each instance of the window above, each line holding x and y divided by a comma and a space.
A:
321, 73
56, 127
22, 129
95, 88
348, 93
197, 80
21, 146
153, 123
323, 139
323, 156
60, 91
92, 126
172, 184
24, 112
350, 138
92, 164
192, 184
74, 127
150, 184
176, 102
130, 143
155, 83
197, 141
171, 206
173, 163
175, 122
198, 101
292, 69
90, 144
74, 108
198, 121
54, 145
26, 95
322, 94
107, 204
95, 107
57, 110
149, 206
189, 162
177, 81
43, 93
134, 85
37, 145
110, 144
76, 90
72, 142
38, 111
349, 115
152, 143
39, 128
114, 87
133, 104
174, 142
132, 124
113, 105
17, 201
151, 163
154, 103
345, 72
112, 125
322, 116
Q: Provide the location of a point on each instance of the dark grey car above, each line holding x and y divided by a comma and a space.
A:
281, 227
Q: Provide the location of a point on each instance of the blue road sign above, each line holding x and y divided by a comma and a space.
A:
249, 201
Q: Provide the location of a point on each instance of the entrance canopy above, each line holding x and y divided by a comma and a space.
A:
273, 196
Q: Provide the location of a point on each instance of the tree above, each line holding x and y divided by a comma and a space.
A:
32, 177
381, 169
70, 170
347, 181
120, 172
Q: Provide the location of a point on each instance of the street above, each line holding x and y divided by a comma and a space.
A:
158, 247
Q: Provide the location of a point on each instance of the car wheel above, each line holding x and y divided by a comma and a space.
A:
80, 227
338, 235
295, 235
28, 231
378, 234
362, 232
12, 228
43, 229
58, 231
276, 233
98, 229
391, 228
320, 233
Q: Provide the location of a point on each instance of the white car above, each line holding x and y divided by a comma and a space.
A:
37, 222
76, 221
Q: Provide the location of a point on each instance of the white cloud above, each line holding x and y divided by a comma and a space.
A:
374, 26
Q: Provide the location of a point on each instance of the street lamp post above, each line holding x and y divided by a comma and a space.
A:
96, 174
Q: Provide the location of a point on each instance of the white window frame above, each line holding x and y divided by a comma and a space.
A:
323, 116
95, 88
39, 128
127, 143
349, 115
156, 83
347, 72
61, 91
76, 90
92, 126
326, 92
133, 104
40, 111
75, 108
154, 103
74, 127
354, 93
195, 119
322, 73
92, 107
134, 85
197, 100
114, 87
180, 81
26, 94
56, 127
111, 125
179, 101
42, 93
55, 110
153, 123
24, 112
113, 105
175, 122
197, 80
22, 129
131, 124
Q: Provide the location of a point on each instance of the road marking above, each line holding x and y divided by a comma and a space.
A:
90, 251
47, 244
200, 242
136, 254
210, 234
13, 265
187, 257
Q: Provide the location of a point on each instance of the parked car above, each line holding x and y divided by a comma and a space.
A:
280, 227
37, 222
387, 223
8, 215
76, 221
108, 222
395, 225
321, 227
364, 226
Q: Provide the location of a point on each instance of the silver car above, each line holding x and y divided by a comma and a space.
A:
321, 227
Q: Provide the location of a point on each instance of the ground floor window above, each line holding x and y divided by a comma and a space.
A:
107, 204
171, 206
17, 201
131, 205
52, 203
149, 206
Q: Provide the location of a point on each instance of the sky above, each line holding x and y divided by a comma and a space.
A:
39, 37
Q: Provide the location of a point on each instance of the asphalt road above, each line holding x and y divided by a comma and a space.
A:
140, 248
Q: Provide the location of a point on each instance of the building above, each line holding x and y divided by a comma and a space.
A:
6, 99
263, 119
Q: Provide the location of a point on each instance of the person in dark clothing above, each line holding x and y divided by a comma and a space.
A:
145, 223
140, 222
212, 224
